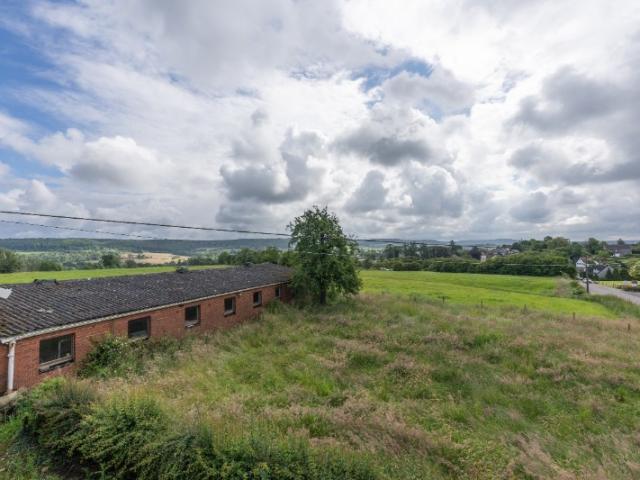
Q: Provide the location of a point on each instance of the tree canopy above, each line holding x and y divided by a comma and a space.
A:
9, 261
326, 262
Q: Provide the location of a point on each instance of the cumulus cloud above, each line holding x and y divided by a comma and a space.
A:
370, 195
532, 209
438, 93
433, 192
457, 119
392, 136
290, 178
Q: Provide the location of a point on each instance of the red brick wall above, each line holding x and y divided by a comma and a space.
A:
164, 322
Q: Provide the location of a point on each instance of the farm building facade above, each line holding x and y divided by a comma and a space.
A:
47, 328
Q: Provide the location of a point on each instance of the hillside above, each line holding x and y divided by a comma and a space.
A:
176, 247
416, 387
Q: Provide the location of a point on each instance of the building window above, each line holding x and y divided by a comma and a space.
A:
229, 306
192, 316
139, 328
278, 292
257, 299
56, 351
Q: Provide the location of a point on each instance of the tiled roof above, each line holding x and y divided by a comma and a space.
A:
40, 306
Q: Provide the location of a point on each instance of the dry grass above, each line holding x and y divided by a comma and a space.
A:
426, 390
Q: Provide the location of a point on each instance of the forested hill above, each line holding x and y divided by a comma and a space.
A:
176, 247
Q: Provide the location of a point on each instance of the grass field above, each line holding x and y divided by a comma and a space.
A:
418, 388
538, 293
27, 277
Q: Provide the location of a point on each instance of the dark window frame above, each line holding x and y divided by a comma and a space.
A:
257, 303
232, 310
60, 360
139, 337
278, 292
192, 323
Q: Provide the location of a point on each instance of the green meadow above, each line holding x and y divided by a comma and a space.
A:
27, 277
511, 292
415, 387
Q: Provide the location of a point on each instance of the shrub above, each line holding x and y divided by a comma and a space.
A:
115, 436
52, 414
115, 356
112, 356
134, 438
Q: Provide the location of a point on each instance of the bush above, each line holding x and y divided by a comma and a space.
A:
115, 356
115, 436
9, 261
52, 414
134, 438
111, 357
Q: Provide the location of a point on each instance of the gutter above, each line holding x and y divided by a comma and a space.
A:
58, 328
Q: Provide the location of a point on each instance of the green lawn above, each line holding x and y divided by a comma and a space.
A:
538, 293
27, 277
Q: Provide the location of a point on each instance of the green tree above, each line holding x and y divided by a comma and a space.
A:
9, 261
326, 261
110, 260
48, 265
475, 252
634, 271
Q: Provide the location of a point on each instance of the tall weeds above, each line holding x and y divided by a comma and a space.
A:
132, 438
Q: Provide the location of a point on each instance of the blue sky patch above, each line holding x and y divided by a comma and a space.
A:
375, 76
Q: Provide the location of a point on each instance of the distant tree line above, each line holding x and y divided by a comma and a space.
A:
245, 256
539, 264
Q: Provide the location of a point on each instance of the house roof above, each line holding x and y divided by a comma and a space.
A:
47, 305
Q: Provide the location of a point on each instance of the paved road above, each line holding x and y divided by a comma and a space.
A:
616, 292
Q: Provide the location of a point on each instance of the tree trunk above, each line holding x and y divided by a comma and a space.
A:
323, 296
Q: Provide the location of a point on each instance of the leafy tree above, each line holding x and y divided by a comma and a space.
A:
110, 260
326, 262
9, 261
475, 252
620, 242
49, 266
593, 245
634, 271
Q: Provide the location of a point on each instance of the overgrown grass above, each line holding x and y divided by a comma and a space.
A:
430, 391
132, 436
416, 387
27, 277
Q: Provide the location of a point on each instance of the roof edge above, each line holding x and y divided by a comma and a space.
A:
44, 331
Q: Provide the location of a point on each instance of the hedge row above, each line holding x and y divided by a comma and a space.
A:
134, 439
519, 264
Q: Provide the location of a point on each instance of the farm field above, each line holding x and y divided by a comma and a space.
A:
414, 387
539, 293
27, 277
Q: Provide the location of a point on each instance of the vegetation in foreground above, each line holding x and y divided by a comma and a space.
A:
414, 388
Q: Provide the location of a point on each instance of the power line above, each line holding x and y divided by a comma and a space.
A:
210, 229
78, 229
15, 222
149, 224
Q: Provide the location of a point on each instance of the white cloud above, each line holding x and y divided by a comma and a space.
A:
523, 114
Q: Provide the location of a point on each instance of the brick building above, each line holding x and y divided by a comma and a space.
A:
47, 328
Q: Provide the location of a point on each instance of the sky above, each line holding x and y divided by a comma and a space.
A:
465, 119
